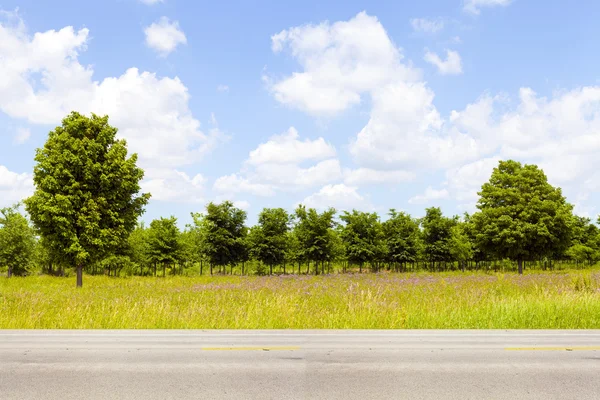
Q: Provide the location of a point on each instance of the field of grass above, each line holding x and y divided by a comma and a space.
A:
565, 299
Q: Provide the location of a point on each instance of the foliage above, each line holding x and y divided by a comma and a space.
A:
86, 199
437, 234
17, 241
314, 234
362, 236
268, 239
521, 216
402, 237
164, 241
225, 235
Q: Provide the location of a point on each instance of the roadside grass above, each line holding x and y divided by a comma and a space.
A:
564, 300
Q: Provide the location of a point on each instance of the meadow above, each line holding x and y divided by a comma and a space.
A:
539, 299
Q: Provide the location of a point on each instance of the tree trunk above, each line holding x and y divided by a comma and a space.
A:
284, 267
520, 264
211, 269
164, 270
10, 271
270, 269
79, 275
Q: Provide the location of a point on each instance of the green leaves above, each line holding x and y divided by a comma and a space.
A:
521, 215
87, 197
362, 235
17, 241
225, 234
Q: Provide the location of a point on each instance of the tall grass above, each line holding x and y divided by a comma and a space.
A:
566, 299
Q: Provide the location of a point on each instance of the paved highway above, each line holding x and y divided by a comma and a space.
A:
348, 365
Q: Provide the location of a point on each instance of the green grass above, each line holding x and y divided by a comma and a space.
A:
565, 299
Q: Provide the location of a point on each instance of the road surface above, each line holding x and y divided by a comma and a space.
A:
348, 365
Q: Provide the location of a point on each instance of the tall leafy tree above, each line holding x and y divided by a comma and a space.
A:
164, 242
313, 230
269, 239
362, 235
17, 241
437, 233
461, 248
402, 238
521, 216
139, 247
87, 194
225, 236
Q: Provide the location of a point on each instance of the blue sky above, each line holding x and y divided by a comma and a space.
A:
368, 105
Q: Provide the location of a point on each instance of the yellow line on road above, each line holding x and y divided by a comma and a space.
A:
254, 348
573, 348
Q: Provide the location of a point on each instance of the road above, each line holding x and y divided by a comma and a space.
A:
348, 365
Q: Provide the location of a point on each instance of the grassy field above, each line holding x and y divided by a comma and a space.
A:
565, 299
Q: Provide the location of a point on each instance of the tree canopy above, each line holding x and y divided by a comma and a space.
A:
521, 216
87, 194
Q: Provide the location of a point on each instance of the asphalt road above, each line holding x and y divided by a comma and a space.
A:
348, 365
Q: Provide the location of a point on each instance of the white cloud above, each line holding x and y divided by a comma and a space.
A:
451, 66
429, 196
465, 181
22, 135
340, 62
427, 25
174, 185
232, 184
473, 6
151, 2
44, 81
164, 36
288, 149
222, 88
362, 176
242, 204
339, 196
14, 187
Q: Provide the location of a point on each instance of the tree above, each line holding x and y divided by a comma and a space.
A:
437, 232
402, 237
164, 242
17, 241
313, 232
363, 237
86, 199
269, 239
225, 237
461, 248
139, 247
521, 216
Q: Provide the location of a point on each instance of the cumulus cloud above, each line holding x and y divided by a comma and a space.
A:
340, 62
284, 163
427, 25
430, 195
288, 149
164, 36
21, 136
340, 196
451, 66
474, 6
44, 81
14, 187
232, 184
361, 176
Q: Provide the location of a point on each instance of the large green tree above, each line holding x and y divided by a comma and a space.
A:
17, 241
225, 235
363, 237
164, 243
87, 194
313, 230
268, 239
402, 238
437, 235
521, 216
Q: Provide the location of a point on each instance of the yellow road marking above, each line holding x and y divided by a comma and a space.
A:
573, 348
253, 348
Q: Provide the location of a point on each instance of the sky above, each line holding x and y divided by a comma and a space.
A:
354, 105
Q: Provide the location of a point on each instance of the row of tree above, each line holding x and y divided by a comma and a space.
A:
83, 216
